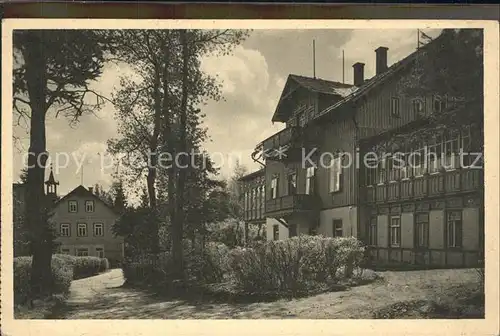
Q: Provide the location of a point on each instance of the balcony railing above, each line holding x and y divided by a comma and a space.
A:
450, 182
286, 145
287, 205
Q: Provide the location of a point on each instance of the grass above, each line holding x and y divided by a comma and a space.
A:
409, 294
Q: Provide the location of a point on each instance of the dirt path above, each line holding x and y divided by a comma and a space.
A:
102, 297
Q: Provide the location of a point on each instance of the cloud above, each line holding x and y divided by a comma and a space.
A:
245, 70
253, 77
236, 124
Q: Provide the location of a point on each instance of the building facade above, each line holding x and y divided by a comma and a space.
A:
81, 220
317, 179
252, 191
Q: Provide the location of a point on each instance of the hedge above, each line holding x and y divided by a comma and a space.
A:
65, 268
62, 275
296, 264
292, 265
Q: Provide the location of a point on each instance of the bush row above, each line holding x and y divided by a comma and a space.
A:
65, 268
84, 266
289, 265
294, 264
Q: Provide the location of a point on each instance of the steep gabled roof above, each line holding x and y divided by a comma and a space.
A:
371, 83
322, 85
379, 79
313, 85
84, 192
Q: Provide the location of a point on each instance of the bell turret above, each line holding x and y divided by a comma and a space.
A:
51, 186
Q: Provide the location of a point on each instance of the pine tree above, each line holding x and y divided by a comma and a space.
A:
52, 70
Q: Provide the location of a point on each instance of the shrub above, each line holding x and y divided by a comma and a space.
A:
205, 265
103, 265
146, 269
229, 232
295, 264
62, 275
215, 263
86, 266
83, 266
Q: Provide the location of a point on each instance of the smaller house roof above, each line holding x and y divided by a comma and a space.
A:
82, 191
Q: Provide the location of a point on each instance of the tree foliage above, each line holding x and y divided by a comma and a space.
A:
159, 112
53, 70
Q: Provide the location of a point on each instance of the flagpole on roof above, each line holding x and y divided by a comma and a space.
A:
343, 68
314, 58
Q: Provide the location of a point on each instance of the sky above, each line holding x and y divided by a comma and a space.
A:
253, 77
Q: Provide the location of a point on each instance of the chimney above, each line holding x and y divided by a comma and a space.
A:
91, 189
381, 59
359, 76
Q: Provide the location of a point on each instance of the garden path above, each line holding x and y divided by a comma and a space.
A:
103, 297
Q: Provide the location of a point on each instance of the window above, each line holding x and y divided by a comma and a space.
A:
276, 232
395, 106
418, 162
381, 170
292, 230
292, 184
82, 230
337, 228
373, 231
89, 206
418, 106
64, 250
400, 166
454, 228
98, 229
451, 151
422, 223
466, 138
65, 230
72, 206
99, 252
302, 119
434, 155
274, 188
310, 172
371, 171
438, 104
393, 167
395, 232
82, 252
263, 195
245, 200
253, 204
335, 175
467, 160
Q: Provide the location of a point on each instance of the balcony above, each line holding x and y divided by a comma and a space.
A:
442, 184
286, 145
287, 205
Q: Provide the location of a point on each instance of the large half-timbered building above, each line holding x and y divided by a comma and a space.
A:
326, 172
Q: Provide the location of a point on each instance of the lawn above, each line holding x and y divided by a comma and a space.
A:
408, 294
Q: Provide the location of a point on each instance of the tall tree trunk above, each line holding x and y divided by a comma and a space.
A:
36, 216
153, 162
178, 227
169, 139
